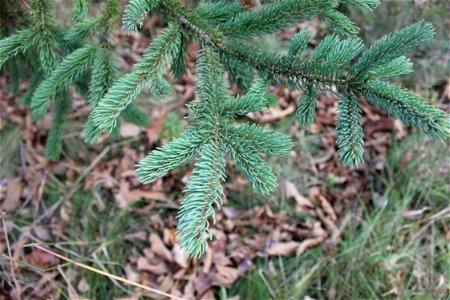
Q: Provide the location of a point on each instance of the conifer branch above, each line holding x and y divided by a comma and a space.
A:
79, 10
54, 143
204, 190
251, 164
306, 106
274, 17
349, 131
252, 101
136, 12
15, 44
166, 158
220, 11
265, 141
391, 47
409, 108
367, 4
68, 72
340, 23
149, 70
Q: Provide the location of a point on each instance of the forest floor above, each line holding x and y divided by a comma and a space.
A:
328, 232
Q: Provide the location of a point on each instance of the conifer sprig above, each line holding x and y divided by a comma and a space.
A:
390, 47
411, 109
274, 17
349, 131
136, 12
68, 72
148, 70
213, 136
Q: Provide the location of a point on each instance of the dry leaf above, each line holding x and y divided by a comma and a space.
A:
129, 130
159, 248
414, 214
202, 283
13, 192
155, 128
208, 260
229, 273
309, 243
131, 274
282, 248
179, 257
291, 191
42, 233
144, 264
209, 296
42, 259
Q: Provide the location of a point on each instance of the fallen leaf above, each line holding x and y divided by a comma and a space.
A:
155, 128
13, 192
132, 275
202, 283
232, 212
292, 191
179, 257
129, 130
158, 247
208, 296
207, 262
144, 264
42, 259
309, 243
42, 233
83, 286
228, 272
414, 214
166, 284
282, 248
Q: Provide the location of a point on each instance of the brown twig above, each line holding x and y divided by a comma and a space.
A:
11, 261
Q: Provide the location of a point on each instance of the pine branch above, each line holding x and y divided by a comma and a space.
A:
166, 158
81, 30
79, 10
219, 12
411, 109
340, 23
103, 76
298, 45
104, 72
149, 70
349, 131
265, 141
367, 4
253, 101
306, 106
396, 67
136, 12
15, 44
203, 191
391, 47
251, 164
54, 143
68, 72
273, 17
48, 58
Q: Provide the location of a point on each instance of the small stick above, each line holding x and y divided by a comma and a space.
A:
11, 261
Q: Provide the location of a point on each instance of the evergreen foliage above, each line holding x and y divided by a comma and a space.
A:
340, 64
214, 135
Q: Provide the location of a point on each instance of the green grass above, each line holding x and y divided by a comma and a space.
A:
389, 249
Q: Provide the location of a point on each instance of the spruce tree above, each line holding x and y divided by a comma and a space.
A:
56, 57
